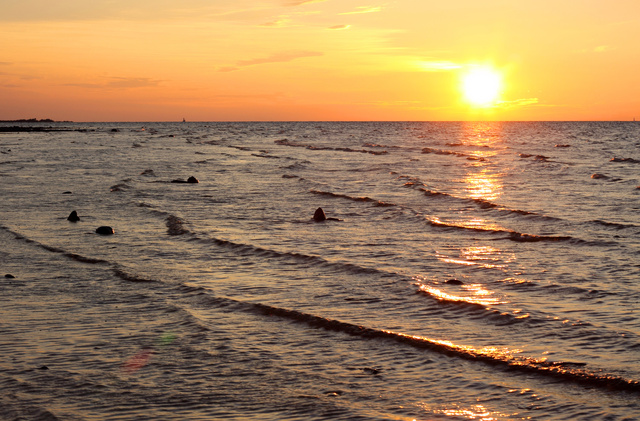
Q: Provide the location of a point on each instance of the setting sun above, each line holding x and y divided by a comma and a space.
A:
481, 86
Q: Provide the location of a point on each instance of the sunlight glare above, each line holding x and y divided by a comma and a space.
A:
481, 86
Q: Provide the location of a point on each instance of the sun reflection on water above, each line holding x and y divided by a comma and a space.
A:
483, 182
474, 412
476, 295
484, 185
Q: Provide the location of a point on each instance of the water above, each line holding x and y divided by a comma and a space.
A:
484, 271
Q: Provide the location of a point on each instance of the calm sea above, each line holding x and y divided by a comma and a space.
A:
467, 271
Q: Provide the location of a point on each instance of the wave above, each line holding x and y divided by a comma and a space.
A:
298, 257
445, 152
286, 142
175, 225
628, 160
539, 158
415, 183
354, 198
613, 225
506, 359
511, 235
79, 258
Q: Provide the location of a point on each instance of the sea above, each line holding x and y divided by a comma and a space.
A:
465, 271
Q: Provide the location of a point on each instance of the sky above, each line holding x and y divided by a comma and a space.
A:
318, 60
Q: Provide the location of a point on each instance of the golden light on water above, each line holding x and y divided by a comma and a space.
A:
484, 185
479, 224
486, 256
473, 412
475, 294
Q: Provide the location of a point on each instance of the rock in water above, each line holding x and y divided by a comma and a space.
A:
191, 179
73, 217
454, 282
104, 230
319, 215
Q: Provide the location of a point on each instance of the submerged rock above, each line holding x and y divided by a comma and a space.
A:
191, 180
104, 230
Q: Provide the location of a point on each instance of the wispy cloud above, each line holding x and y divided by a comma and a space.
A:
438, 66
522, 102
120, 82
339, 27
598, 49
282, 57
278, 23
133, 82
364, 9
301, 2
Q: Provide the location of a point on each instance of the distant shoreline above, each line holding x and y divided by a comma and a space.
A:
34, 120
6, 129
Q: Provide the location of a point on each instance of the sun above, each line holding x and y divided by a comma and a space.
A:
481, 86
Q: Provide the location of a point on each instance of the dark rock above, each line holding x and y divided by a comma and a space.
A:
73, 217
104, 230
67, 192
454, 282
9, 276
319, 215
191, 180
44, 367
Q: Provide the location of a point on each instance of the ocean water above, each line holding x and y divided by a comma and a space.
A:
468, 271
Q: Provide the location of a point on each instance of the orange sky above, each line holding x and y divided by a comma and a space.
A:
212, 60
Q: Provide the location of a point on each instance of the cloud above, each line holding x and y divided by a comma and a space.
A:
364, 9
282, 57
120, 82
301, 2
132, 82
438, 66
278, 23
339, 27
522, 102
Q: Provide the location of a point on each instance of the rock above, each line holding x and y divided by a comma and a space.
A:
9, 276
191, 180
73, 217
454, 282
104, 230
319, 215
